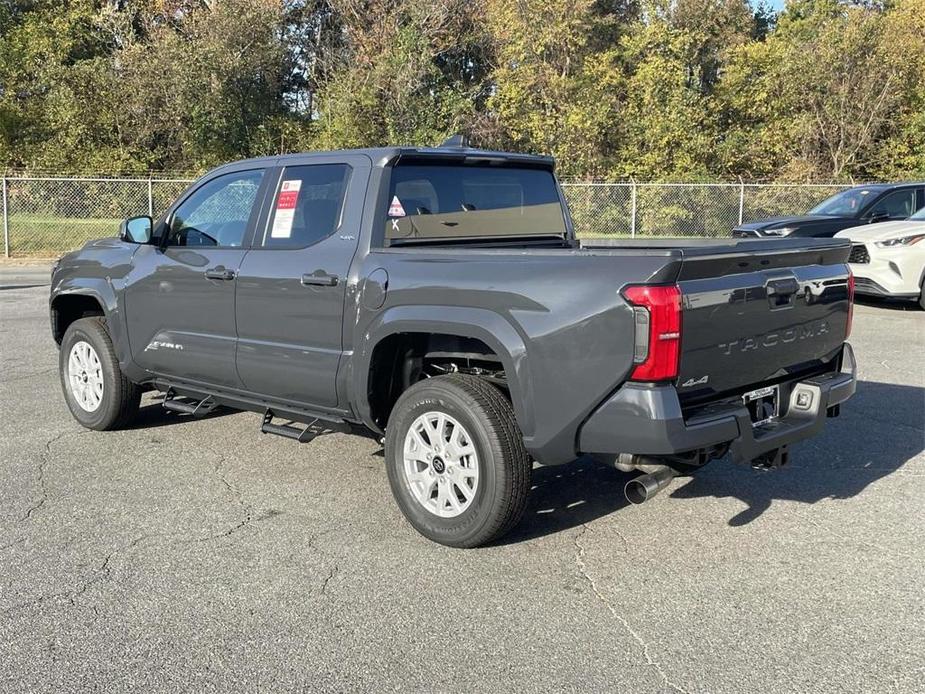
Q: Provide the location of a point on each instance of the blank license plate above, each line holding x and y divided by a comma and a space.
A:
763, 404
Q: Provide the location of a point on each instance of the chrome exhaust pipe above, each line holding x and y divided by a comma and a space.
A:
642, 488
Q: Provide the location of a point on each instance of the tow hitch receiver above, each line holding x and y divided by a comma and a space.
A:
772, 460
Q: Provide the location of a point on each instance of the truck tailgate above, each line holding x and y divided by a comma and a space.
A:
752, 316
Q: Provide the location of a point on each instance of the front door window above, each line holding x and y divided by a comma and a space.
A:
218, 213
899, 204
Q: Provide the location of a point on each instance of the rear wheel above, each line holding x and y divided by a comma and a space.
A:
456, 460
97, 393
922, 296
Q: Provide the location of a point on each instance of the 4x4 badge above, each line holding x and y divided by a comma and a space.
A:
695, 382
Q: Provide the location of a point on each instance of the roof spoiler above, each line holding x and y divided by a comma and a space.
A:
457, 140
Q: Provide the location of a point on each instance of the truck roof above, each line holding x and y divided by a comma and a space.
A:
383, 156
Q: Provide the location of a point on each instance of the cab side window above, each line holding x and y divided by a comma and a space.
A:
218, 213
896, 205
307, 206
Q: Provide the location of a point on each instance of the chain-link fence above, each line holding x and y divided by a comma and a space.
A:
702, 210
46, 216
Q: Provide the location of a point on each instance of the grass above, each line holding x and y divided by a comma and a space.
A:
43, 235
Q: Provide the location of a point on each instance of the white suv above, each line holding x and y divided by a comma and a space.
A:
888, 259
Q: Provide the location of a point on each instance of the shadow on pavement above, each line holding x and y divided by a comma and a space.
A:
567, 496
887, 303
880, 429
154, 415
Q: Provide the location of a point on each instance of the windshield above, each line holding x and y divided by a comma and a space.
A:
440, 201
848, 203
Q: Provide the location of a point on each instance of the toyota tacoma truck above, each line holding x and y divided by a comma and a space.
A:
439, 298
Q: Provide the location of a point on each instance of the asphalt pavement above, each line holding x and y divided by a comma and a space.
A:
200, 555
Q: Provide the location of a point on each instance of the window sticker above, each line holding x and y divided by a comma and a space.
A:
395, 209
285, 209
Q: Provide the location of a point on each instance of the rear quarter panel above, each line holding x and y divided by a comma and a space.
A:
556, 319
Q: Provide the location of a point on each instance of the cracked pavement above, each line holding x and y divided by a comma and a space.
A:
200, 555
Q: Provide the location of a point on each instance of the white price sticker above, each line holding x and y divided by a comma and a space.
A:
285, 209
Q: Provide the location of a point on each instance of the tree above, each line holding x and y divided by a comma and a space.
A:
651, 89
181, 87
819, 98
38, 40
753, 114
901, 154
714, 28
848, 91
666, 129
557, 82
408, 72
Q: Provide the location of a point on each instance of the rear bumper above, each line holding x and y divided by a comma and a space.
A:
648, 420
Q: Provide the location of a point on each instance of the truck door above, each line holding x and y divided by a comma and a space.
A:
291, 286
180, 295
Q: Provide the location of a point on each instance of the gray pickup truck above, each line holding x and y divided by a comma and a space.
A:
438, 297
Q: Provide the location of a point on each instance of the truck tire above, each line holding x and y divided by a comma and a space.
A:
922, 296
97, 393
456, 460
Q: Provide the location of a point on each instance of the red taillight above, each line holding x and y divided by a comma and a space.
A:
850, 302
658, 331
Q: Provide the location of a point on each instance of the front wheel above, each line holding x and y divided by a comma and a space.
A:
97, 393
456, 460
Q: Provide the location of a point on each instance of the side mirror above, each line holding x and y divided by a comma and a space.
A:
136, 230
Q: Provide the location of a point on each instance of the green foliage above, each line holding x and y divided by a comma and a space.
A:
556, 91
646, 89
416, 78
834, 93
666, 125
90, 88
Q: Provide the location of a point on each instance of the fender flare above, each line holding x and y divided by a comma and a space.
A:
98, 288
489, 327
104, 294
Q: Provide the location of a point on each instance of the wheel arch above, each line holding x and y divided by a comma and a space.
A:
485, 327
67, 307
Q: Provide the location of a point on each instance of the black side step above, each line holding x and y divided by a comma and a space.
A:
315, 428
196, 408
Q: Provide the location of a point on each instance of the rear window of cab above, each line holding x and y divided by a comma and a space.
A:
440, 201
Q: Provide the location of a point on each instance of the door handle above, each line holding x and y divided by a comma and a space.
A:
219, 273
320, 280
